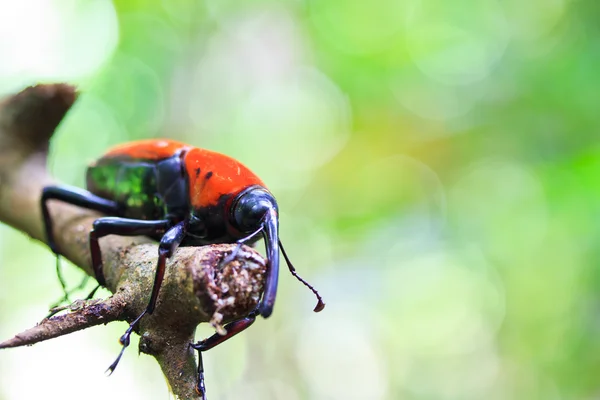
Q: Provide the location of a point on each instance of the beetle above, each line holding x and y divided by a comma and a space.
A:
179, 195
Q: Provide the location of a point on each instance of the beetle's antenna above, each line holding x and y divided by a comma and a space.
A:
320, 304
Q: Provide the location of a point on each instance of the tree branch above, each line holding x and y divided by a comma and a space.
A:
84, 314
194, 290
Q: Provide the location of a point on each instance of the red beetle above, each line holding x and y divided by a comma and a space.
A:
182, 196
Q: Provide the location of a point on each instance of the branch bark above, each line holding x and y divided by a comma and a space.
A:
84, 314
194, 290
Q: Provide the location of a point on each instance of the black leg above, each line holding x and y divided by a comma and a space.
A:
232, 328
168, 244
92, 293
119, 226
54, 309
67, 293
231, 256
63, 283
200, 387
77, 197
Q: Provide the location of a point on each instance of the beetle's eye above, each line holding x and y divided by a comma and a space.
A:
251, 207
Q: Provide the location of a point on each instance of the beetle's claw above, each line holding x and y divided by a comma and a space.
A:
230, 257
112, 366
201, 388
200, 346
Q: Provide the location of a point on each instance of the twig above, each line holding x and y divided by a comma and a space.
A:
84, 314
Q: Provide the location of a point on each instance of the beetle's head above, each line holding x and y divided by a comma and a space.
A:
251, 208
255, 211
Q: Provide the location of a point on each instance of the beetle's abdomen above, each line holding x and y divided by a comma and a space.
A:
132, 184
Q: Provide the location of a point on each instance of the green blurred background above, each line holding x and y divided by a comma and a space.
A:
436, 165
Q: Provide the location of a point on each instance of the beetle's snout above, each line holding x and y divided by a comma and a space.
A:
271, 235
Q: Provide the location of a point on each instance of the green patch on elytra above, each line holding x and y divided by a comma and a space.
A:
131, 184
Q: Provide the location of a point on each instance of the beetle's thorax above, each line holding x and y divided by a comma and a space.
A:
212, 175
214, 182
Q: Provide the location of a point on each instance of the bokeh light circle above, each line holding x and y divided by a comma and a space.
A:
359, 27
347, 365
256, 98
447, 303
501, 205
456, 42
433, 100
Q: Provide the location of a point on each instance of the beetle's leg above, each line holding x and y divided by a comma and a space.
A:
66, 292
231, 256
167, 246
232, 328
63, 283
81, 285
169, 242
93, 292
77, 197
123, 227
200, 386
55, 309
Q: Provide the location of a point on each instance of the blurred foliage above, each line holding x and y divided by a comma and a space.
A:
436, 165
